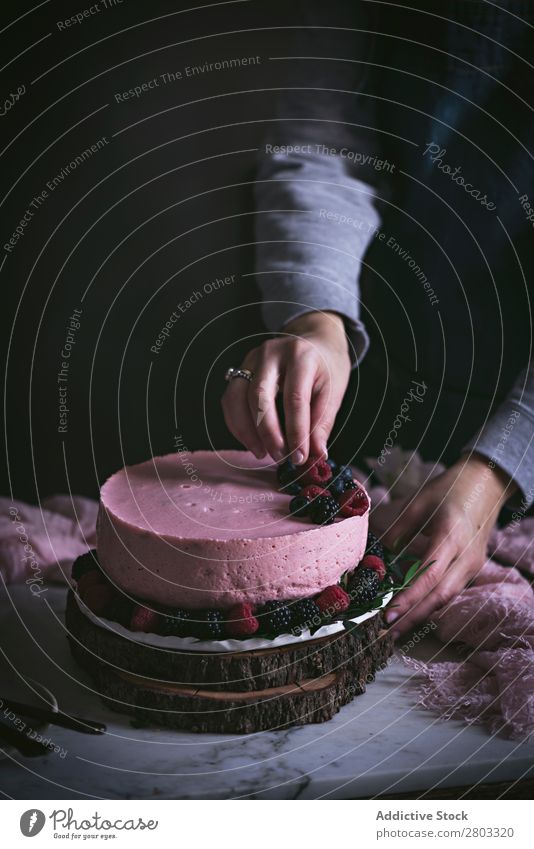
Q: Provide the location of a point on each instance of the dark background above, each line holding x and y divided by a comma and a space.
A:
129, 233
167, 206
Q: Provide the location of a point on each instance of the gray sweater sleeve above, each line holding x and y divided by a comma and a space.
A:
314, 224
507, 438
314, 199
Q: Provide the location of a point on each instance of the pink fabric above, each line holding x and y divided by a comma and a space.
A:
491, 626
44, 540
514, 544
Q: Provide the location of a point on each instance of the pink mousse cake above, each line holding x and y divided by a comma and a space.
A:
209, 529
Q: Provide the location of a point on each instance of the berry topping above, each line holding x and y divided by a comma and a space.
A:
276, 617
316, 471
364, 585
210, 626
332, 600
240, 621
286, 472
324, 510
332, 464
99, 598
374, 546
291, 488
336, 486
144, 619
371, 561
298, 505
352, 484
304, 615
345, 472
353, 502
312, 491
86, 563
176, 623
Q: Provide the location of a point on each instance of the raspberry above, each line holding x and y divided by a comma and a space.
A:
317, 472
371, 561
332, 600
144, 619
313, 491
241, 621
99, 598
353, 502
89, 579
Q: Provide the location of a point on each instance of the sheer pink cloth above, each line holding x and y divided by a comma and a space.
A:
44, 540
491, 625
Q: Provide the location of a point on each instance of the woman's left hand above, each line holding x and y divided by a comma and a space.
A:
456, 511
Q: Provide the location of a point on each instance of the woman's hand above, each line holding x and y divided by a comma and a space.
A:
456, 511
310, 364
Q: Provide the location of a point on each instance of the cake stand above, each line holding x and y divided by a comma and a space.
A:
227, 692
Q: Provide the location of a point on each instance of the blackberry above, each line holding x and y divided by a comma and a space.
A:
364, 585
336, 486
298, 506
83, 564
286, 472
291, 488
177, 623
349, 484
374, 546
324, 510
210, 626
304, 614
276, 617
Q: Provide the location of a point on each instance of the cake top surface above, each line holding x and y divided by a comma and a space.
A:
203, 495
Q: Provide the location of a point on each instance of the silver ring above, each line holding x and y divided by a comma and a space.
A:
245, 373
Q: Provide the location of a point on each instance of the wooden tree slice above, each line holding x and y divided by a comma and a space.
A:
230, 692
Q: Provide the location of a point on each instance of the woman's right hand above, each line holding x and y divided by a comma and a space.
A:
309, 364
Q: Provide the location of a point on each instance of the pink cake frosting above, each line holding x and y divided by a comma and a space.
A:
209, 529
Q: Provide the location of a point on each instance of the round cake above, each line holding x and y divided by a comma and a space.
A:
211, 529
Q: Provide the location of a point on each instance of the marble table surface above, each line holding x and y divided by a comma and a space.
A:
382, 743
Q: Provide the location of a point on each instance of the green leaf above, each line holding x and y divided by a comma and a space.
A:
415, 571
412, 571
